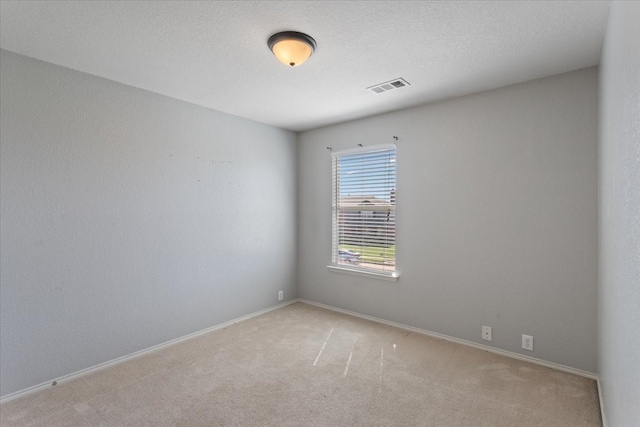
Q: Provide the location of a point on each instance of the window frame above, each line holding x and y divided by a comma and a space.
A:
337, 208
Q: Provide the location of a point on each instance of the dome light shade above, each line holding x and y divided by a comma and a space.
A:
292, 48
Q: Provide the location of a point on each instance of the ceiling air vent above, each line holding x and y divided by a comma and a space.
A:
390, 85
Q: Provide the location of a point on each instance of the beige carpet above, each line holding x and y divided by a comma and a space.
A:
305, 366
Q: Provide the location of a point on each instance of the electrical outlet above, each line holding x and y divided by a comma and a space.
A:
280, 295
486, 333
527, 342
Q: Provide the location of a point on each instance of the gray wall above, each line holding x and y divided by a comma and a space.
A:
497, 217
129, 219
619, 158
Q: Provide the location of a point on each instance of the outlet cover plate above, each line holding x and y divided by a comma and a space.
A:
280, 295
527, 342
486, 333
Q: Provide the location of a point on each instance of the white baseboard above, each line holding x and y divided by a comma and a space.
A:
101, 366
604, 419
510, 354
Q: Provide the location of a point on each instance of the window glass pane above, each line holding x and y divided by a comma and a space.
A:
364, 199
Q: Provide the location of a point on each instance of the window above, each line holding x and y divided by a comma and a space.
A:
364, 211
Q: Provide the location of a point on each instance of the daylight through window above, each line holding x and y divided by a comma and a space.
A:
364, 209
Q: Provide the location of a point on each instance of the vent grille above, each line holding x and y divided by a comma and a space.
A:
390, 85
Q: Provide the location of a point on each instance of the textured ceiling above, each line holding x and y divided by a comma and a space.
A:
215, 53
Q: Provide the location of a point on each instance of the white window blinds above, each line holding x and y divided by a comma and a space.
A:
364, 209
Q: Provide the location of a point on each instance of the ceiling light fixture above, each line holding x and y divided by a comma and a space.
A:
291, 48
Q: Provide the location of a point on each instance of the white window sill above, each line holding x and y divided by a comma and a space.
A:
391, 277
